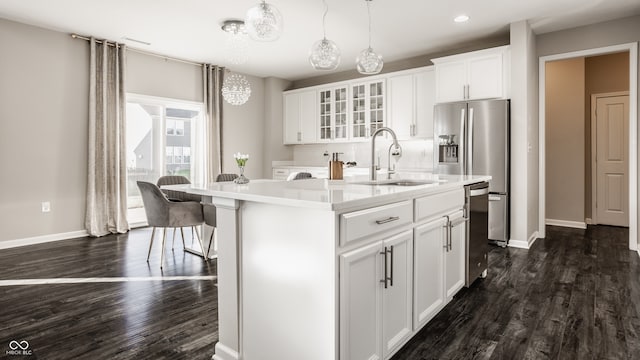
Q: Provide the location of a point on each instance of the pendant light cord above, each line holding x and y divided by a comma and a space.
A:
369, 14
324, 17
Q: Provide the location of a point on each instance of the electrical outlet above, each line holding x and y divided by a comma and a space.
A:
46, 206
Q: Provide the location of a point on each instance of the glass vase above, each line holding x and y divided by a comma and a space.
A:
241, 179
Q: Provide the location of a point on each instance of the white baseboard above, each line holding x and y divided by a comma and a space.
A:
564, 223
42, 239
521, 244
589, 221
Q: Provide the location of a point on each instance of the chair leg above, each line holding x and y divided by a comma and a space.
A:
204, 256
164, 236
210, 241
153, 232
182, 233
173, 241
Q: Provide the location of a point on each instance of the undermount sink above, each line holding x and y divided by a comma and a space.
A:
398, 182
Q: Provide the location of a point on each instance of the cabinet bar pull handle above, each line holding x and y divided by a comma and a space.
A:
386, 273
391, 272
387, 220
446, 226
450, 242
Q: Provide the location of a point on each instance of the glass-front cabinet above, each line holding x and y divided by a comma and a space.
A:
333, 114
367, 108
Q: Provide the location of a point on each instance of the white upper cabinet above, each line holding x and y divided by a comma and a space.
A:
475, 75
333, 121
411, 100
367, 108
300, 117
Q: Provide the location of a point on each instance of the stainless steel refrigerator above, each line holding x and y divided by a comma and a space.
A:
473, 138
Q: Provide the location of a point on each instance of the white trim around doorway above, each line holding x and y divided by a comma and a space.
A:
632, 48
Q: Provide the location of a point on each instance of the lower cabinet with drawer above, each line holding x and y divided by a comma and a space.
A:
376, 286
407, 264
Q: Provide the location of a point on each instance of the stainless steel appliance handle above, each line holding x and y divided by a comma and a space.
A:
462, 141
386, 273
478, 192
470, 143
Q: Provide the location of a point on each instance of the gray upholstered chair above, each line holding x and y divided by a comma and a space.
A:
226, 177
164, 213
174, 195
302, 176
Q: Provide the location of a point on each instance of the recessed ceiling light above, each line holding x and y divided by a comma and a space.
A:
461, 18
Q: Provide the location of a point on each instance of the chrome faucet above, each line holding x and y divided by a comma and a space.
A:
393, 151
373, 148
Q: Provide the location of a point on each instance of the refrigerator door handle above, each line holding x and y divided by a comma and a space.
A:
462, 141
470, 143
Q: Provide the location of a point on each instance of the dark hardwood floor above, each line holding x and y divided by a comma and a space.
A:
574, 295
120, 320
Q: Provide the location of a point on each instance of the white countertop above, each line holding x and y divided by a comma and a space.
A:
330, 194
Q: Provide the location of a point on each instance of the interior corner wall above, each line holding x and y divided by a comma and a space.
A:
603, 74
273, 110
44, 97
243, 131
533, 126
565, 134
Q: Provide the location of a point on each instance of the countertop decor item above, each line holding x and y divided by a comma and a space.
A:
263, 22
369, 62
236, 89
241, 160
324, 54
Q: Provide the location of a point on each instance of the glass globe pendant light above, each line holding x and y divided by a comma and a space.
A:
263, 22
236, 41
368, 61
324, 54
236, 89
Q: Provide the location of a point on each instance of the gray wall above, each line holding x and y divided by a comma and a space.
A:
43, 125
565, 181
43, 130
274, 149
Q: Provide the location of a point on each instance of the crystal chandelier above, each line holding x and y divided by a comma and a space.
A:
236, 42
325, 54
236, 90
263, 22
369, 62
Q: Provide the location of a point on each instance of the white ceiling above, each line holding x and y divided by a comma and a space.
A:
190, 29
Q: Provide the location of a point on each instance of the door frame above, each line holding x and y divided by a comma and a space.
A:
632, 48
594, 133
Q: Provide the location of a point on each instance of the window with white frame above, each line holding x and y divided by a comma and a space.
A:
164, 137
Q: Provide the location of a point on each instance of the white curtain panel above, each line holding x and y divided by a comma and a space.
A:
106, 211
212, 77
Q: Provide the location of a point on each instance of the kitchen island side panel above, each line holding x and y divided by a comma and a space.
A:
289, 283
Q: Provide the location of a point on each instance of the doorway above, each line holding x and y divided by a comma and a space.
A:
632, 134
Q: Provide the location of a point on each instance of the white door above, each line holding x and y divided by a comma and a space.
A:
308, 117
451, 79
401, 105
291, 118
361, 303
454, 255
428, 273
397, 296
485, 77
612, 152
425, 94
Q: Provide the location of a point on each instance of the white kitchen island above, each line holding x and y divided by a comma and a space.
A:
320, 270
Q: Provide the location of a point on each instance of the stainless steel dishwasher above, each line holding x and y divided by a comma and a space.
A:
476, 209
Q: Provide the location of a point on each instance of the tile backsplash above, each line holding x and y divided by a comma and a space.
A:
416, 154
